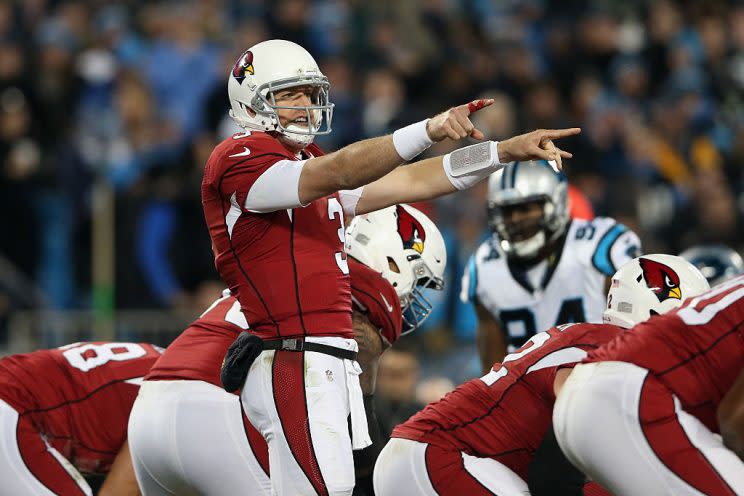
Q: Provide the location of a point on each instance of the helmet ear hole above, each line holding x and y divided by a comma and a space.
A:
393, 266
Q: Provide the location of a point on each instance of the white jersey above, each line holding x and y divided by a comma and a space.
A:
567, 287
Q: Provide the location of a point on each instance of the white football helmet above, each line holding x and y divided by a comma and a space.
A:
408, 250
649, 285
271, 66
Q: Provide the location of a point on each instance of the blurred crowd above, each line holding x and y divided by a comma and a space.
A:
128, 98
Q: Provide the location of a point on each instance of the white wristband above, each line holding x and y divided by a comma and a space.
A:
411, 140
469, 165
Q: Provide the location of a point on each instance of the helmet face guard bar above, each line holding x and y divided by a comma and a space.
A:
319, 115
416, 307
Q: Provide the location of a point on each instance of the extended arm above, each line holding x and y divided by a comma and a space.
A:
731, 417
368, 160
438, 176
489, 338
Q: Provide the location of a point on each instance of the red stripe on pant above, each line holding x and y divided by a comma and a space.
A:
447, 474
288, 385
257, 443
670, 443
41, 463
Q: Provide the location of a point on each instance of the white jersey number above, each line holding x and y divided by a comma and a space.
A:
334, 207
692, 316
89, 356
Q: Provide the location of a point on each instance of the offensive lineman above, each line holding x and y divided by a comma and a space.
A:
63, 412
539, 268
657, 390
275, 208
177, 444
481, 438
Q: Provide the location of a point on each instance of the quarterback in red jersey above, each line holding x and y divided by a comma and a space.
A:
176, 444
481, 438
63, 413
657, 390
275, 208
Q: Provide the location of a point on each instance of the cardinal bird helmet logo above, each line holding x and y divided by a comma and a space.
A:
410, 230
243, 66
661, 279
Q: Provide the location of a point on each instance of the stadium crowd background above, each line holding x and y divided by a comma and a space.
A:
108, 111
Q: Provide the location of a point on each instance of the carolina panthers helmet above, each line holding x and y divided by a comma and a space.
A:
716, 262
648, 285
408, 250
271, 66
520, 183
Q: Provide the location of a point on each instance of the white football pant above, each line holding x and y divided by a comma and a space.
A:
411, 468
627, 431
189, 438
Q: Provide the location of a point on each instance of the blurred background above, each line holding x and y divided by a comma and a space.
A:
109, 109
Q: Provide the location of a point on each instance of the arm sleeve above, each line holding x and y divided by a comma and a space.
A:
349, 199
617, 246
276, 188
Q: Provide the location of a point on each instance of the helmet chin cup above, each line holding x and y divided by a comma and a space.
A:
529, 247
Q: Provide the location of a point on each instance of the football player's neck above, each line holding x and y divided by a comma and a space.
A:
290, 144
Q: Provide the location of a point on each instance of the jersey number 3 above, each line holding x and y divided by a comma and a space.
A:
334, 209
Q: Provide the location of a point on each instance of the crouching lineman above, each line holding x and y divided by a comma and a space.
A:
188, 435
539, 268
64, 412
657, 390
481, 438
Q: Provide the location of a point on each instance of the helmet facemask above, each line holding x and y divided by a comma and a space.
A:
416, 308
318, 115
525, 238
520, 184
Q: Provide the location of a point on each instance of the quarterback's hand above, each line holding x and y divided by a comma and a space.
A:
537, 145
455, 123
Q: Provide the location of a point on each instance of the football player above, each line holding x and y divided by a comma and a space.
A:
275, 206
657, 390
177, 444
539, 268
481, 438
717, 262
63, 413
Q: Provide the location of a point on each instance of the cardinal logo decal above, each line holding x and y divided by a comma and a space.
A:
243, 66
410, 230
661, 279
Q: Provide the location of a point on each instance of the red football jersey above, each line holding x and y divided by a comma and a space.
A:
504, 414
374, 296
288, 267
79, 396
198, 352
697, 350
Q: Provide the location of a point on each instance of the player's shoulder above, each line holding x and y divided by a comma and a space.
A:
602, 243
487, 256
248, 146
488, 252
